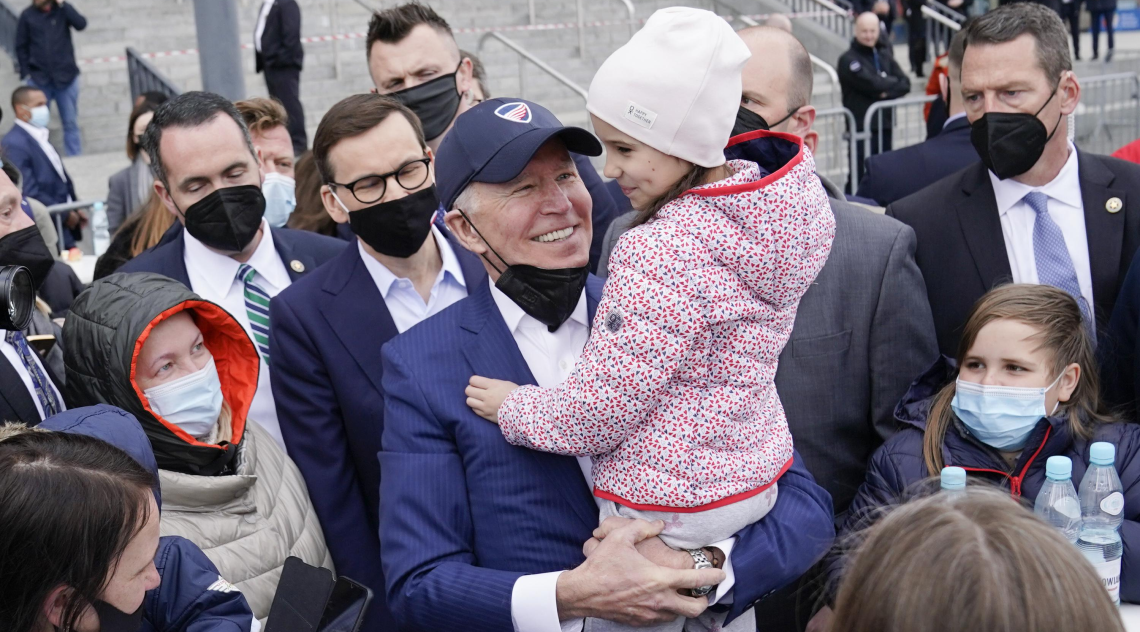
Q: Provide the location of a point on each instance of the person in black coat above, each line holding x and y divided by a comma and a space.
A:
976, 229
868, 73
45, 58
1071, 13
1102, 10
894, 175
278, 54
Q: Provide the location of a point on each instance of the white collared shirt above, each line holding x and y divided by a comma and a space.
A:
262, 16
953, 118
404, 303
213, 276
1065, 208
40, 135
13, 357
551, 357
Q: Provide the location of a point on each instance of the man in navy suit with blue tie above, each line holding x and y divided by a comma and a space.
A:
208, 175
477, 534
328, 328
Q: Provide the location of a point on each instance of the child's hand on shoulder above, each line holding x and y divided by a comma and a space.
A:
485, 395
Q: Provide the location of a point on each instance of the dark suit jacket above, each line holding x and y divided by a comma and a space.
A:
860, 325
961, 251
896, 174
464, 514
293, 246
16, 402
41, 180
325, 344
281, 40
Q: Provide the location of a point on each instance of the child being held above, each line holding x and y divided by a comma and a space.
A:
674, 394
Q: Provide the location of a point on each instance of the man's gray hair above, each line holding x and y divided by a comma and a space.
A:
1008, 22
467, 200
190, 109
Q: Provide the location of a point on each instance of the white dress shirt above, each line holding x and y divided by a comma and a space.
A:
551, 358
13, 357
262, 16
953, 118
214, 277
404, 303
40, 134
1065, 208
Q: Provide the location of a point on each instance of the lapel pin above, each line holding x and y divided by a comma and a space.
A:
1113, 205
299, 267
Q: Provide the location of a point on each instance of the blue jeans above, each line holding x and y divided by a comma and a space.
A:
67, 102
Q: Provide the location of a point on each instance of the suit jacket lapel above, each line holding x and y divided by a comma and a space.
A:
357, 313
981, 227
284, 247
1104, 230
12, 390
492, 352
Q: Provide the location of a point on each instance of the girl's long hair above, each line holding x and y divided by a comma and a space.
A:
1057, 318
694, 178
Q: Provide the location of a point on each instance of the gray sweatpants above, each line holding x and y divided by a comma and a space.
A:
694, 531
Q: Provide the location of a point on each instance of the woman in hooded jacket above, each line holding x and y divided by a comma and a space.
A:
1024, 388
187, 370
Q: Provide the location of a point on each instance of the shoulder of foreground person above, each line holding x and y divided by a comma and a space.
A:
193, 596
320, 247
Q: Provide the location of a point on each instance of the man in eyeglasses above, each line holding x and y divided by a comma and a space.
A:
379, 178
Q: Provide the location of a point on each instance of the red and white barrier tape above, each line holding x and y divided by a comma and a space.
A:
555, 26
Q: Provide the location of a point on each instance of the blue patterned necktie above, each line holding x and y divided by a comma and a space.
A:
44, 391
257, 308
875, 56
1054, 266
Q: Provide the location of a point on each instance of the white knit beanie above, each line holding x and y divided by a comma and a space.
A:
675, 86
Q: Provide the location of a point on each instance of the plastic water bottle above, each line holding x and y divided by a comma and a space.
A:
100, 233
953, 480
1102, 511
1057, 501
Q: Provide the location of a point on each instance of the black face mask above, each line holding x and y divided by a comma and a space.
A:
228, 218
397, 228
749, 121
1010, 143
111, 619
434, 102
548, 296
26, 247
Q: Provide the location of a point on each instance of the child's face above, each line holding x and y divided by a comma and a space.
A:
1006, 353
644, 173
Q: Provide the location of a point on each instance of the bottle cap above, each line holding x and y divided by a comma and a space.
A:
1059, 468
1102, 453
953, 478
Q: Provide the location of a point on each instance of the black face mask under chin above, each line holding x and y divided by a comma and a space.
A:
1010, 143
749, 121
435, 103
26, 247
111, 619
227, 219
548, 296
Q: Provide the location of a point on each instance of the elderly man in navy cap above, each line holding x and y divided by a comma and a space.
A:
476, 534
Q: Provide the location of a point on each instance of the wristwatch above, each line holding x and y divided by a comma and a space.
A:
700, 560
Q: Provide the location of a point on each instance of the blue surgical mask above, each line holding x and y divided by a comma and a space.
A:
41, 116
280, 193
192, 402
1000, 416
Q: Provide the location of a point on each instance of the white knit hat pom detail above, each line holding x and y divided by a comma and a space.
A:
675, 86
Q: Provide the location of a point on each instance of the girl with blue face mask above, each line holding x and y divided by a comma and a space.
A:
1023, 388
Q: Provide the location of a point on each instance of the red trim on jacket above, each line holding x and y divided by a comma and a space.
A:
727, 500
1015, 481
762, 182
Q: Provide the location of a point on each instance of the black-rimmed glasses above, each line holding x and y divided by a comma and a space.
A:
370, 189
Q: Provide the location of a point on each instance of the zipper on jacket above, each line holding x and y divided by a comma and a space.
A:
1015, 481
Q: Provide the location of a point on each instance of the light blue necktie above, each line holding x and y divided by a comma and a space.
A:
256, 308
40, 383
1054, 266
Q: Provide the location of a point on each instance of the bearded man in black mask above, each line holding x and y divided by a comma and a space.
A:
207, 173
30, 385
413, 56
1035, 209
379, 178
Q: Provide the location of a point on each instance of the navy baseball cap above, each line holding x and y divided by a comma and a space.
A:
495, 140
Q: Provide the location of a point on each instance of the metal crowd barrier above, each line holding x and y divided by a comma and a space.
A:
908, 124
835, 152
144, 77
9, 18
59, 212
1108, 115
941, 25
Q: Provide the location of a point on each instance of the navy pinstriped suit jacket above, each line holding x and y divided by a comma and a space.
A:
463, 514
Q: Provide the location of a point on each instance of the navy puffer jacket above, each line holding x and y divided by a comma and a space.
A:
897, 468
